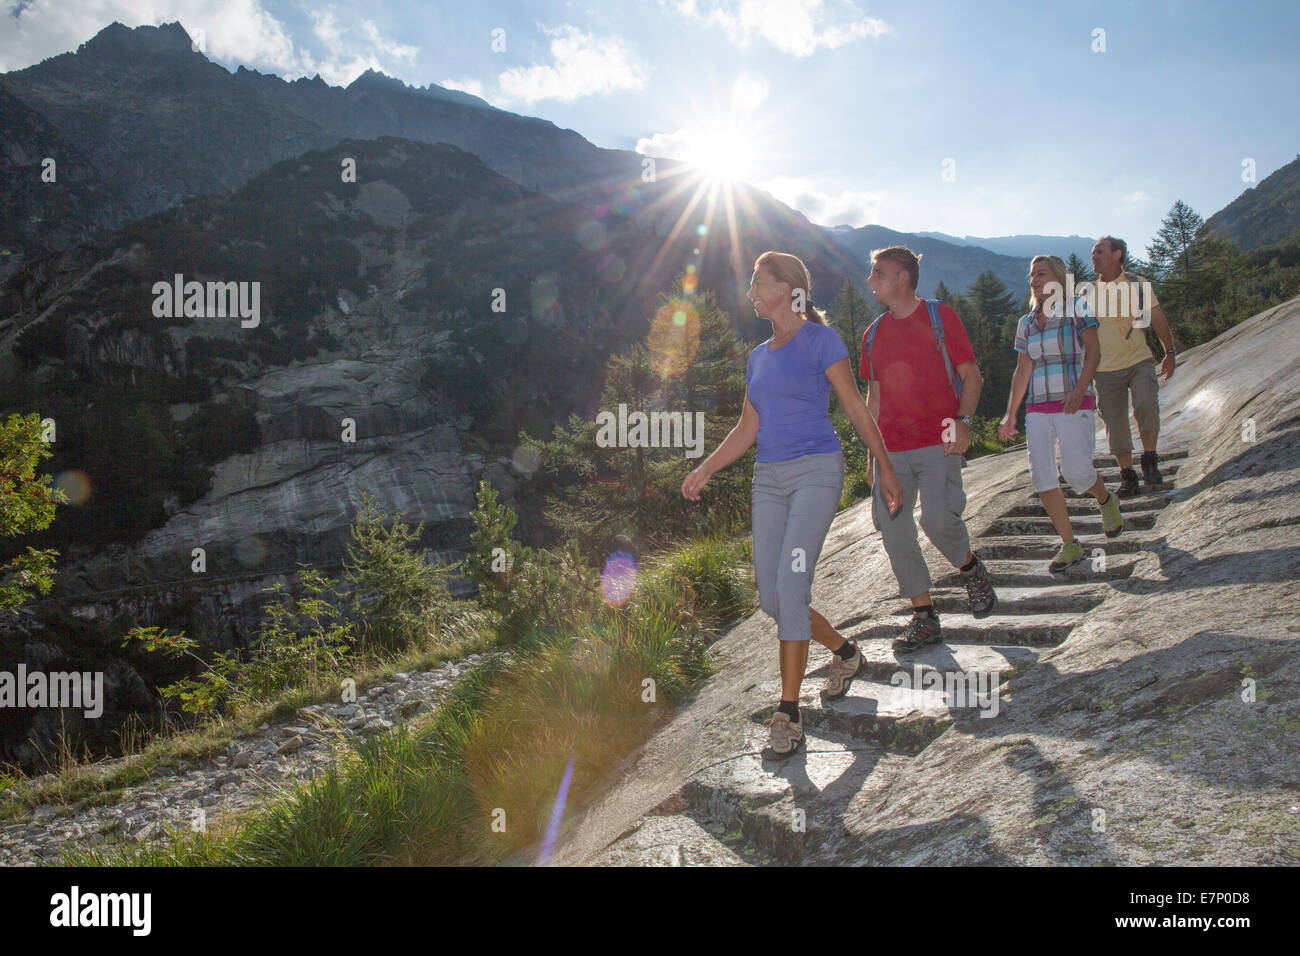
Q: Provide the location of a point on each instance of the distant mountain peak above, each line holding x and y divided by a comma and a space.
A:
117, 39
375, 80
382, 82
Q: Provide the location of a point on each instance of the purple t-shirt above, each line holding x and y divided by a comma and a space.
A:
791, 393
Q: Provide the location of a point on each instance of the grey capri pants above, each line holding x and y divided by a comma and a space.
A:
794, 503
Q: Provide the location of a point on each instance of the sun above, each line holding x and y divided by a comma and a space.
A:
723, 154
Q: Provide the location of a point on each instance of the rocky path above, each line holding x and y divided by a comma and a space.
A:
749, 811
249, 773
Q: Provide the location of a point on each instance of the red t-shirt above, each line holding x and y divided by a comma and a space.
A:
915, 395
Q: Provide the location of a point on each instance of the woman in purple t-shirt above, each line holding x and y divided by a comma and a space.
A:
798, 474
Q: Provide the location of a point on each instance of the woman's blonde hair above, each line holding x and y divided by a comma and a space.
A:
1057, 267
791, 270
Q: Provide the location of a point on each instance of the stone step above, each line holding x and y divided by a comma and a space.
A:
881, 663
1112, 478
1031, 573
1051, 597
1110, 471
1086, 507
1108, 461
906, 714
674, 840
1083, 524
1148, 498
771, 810
1034, 630
1045, 546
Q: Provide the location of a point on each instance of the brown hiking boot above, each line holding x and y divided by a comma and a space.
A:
841, 674
1151, 476
1128, 486
980, 596
921, 629
784, 735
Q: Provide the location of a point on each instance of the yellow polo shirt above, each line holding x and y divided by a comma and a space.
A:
1122, 346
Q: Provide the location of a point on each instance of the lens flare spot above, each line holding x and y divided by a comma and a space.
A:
546, 293
674, 337
250, 551
526, 459
75, 484
611, 268
592, 236
702, 229
618, 580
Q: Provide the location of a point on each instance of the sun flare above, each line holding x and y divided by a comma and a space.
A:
723, 155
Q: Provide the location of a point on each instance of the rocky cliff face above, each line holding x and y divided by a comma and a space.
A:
1148, 717
1263, 214
376, 363
46, 207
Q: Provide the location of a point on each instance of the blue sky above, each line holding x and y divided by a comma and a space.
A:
984, 118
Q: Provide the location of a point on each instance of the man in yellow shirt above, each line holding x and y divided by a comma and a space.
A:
1125, 306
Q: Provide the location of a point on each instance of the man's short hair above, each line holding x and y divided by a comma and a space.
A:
1119, 244
901, 256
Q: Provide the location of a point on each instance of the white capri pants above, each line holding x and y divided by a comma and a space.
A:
1076, 436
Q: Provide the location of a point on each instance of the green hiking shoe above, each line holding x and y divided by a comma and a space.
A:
1071, 553
1112, 522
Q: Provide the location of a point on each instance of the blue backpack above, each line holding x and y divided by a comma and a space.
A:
936, 326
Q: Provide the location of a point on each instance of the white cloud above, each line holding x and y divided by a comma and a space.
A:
675, 145
239, 32
1132, 199
797, 27
473, 87
399, 51
326, 30
582, 64
850, 207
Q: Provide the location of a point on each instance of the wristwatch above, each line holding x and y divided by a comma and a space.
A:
965, 420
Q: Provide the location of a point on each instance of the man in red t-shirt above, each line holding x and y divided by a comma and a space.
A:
927, 431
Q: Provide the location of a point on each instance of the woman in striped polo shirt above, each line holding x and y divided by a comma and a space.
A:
1058, 355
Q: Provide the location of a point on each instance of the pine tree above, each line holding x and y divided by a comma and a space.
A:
1082, 271
988, 306
991, 297
694, 365
1170, 251
942, 294
850, 315
398, 598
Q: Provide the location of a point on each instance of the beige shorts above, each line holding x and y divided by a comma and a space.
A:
1113, 390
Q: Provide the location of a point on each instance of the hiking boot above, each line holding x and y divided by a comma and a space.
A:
841, 674
1112, 522
1071, 553
921, 629
1150, 470
1128, 486
979, 590
784, 735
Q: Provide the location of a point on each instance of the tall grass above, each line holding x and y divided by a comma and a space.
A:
475, 781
